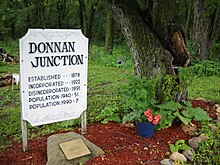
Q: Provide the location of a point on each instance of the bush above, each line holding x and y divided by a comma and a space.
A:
206, 68
138, 94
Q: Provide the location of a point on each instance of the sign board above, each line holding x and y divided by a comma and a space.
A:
53, 72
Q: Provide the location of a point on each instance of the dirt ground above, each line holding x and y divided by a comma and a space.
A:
120, 143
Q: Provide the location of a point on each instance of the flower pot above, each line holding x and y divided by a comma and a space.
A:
145, 129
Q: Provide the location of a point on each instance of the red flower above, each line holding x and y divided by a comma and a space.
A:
155, 122
148, 113
150, 117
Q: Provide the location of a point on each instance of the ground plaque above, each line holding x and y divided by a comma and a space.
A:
74, 149
53, 72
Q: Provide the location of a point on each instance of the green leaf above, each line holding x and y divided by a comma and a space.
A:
129, 117
186, 103
113, 118
184, 119
173, 148
201, 115
188, 112
180, 142
171, 105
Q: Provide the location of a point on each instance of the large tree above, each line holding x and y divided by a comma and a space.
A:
153, 33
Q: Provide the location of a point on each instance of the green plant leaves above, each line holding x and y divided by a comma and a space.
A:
172, 110
170, 106
139, 95
179, 145
196, 113
109, 113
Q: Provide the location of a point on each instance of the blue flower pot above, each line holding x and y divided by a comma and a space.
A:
145, 129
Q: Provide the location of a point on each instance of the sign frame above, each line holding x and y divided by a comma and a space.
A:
67, 51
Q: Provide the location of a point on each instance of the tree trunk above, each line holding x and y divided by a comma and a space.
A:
149, 57
109, 33
201, 30
216, 29
40, 13
89, 23
188, 19
156, 47
83, 16
61, 9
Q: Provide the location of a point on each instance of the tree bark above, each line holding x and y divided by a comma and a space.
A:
216, 29
83, 16
156, 47
188, 19
61, 8
89, 23
109, 33
40, 13
149, 57
201, 30
86, 18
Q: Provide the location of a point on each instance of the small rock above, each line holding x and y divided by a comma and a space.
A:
189, 129
189, 154
217, 109
202, 137
166, 162
213, 128
194, 142
201, 99
176, 156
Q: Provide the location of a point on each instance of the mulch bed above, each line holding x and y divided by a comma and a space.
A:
120, 143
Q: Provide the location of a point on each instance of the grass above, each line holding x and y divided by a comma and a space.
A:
105, 77
205, 87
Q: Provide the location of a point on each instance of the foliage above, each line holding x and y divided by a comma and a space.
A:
209, 150
138, 93
170, 88
172, 85
184, 112
109, 113
179, 145
215, 51
206, 68
193, 53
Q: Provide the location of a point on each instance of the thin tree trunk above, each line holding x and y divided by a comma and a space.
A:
109, 33
215, 30
83, 16
201, 27
188, 18
40, 13
89, 23
61, 9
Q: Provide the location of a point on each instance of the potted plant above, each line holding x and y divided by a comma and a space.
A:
145, 126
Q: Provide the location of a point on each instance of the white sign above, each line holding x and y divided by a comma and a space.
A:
53, 70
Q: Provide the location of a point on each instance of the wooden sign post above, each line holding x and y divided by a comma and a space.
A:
53, 77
